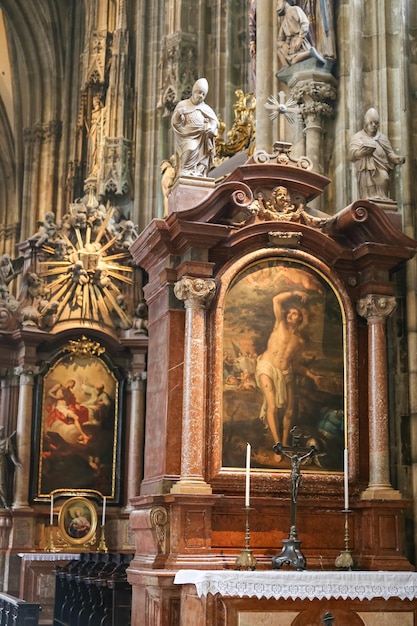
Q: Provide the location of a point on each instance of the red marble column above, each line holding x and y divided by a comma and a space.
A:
376, 309
196, 294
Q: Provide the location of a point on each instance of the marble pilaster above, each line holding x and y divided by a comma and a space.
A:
196, 294
376, 309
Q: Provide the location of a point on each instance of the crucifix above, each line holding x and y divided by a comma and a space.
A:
297, 454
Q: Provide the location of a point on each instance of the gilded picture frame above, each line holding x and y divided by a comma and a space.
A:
77, 521
281, 372
78, 425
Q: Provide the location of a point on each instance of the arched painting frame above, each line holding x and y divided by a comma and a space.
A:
256, 338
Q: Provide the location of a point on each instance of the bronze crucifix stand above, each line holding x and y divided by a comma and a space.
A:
291, 552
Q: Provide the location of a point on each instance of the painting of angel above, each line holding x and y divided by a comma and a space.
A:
79, 426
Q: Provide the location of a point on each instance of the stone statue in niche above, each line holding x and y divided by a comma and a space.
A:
8, 459
293, 43
195, 126
374, 158
95, 130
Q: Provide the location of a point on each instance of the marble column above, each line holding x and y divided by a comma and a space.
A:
376, 309
196, 294
136, 435
24, 435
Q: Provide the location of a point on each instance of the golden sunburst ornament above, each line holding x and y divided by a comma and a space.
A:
85, 281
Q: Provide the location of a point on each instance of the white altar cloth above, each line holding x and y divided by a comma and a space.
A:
302, 585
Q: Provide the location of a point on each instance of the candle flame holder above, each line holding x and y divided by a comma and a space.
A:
102, 547
246, 559
345, 559
50, 546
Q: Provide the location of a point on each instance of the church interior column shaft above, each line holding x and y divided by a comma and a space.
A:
376, 309
195, 293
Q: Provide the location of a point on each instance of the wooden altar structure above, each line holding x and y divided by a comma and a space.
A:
190, 511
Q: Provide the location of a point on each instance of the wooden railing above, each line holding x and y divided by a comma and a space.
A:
15, 612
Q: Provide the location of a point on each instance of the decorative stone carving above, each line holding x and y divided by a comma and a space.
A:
282, 156
195, 126
315, 98
95, 56
374, 158
196, 292
293, 44
178, 69
321, 33
158, 517
376, 306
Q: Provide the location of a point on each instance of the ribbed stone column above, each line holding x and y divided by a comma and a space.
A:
23, 433
196, 294
265, 76
136, 435
376, 309
315, 91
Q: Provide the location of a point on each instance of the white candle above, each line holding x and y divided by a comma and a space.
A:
346, 478
51, 514
247, 474
103, 517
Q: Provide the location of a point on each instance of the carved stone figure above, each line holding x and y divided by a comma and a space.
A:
320, 15
140, 320
293, 45
7, 457
167, 179
195, 125
94, 134
7, 274
48, 231
374, 158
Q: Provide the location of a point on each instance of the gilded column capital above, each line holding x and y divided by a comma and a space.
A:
195, 292
376, 306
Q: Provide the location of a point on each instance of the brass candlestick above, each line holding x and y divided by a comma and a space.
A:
50, 546
102, 547
246, 559
345, 560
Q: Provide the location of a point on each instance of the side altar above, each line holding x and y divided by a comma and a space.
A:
265, 314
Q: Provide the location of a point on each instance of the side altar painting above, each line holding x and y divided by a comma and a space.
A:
283, 366
78, 434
